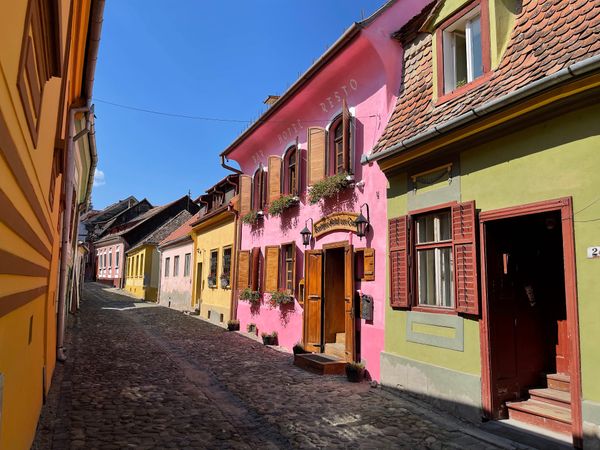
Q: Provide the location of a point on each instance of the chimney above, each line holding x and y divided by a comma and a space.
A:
271, 100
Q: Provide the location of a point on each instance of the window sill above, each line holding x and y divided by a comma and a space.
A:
458, 92
434, 310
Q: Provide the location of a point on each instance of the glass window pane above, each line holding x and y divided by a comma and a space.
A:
445, 228
446, 278
460, 58
425, 229
426, 268
475, 47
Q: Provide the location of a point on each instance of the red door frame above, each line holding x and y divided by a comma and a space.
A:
565, 206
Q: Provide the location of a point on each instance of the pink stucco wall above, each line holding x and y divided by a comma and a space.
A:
111, 272
176, 291
367, 73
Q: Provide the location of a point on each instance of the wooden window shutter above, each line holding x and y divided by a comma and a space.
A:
271, 268
274, 178
399, 273
255, 280
298, 168
465, 257
245, 194
294, 250
346, 135
317, 138
243, 273
369, 264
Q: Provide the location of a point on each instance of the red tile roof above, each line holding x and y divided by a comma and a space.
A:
548, 35
180, 232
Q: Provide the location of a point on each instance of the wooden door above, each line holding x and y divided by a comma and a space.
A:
349, 310
198, 296
313, 303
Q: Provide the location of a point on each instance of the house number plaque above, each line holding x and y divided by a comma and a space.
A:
593, 252
342, 221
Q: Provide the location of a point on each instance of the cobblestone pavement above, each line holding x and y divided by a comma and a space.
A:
145, 376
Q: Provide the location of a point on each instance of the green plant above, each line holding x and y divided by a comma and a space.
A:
281, 297
355, 366
233, 325
269, 338
249, 295
281, 204
355, 371
250, 218
328, 187
269, 335
298, 348
251, 328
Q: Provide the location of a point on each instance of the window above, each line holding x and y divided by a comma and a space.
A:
291, 178
167, 263
259, 190
212, 275
226, 270
187, 262
117, 260
176, 266
435, 285
109, 259
339, 157
288, 269
464, 47
338, 149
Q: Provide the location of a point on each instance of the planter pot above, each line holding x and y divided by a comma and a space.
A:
269, 340
232, 327
355, 376
299, 351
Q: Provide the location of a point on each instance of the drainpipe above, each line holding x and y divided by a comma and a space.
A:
236, 244
228, 167
66, 225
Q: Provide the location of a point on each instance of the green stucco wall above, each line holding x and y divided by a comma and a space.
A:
558, 158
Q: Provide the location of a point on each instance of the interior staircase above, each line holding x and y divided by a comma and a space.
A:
548, 407
337, 348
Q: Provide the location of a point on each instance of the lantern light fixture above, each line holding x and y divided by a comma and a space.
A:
306, 233
362, 223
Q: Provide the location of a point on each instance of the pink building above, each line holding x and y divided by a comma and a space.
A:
176, 271
331, 294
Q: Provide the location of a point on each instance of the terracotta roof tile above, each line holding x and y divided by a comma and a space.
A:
548, 36
182, 231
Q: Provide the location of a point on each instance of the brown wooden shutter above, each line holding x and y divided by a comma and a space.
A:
346, 135
317, 138
313, 300
465, 257
271, 268
274, 178
284, 268
255, 279
349, 316
245, 194
243, 273
298, 169
399, 273
369, 264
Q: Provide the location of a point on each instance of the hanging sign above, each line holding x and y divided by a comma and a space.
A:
340, 221
593, 252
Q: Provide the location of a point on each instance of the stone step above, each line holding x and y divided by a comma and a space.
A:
545, 415
336, 349
320, 363
340, 338
551, 396
559, 381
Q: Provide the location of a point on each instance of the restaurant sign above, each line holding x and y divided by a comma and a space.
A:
340, 221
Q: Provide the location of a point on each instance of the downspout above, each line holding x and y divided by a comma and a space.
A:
67, 219
228, 167
236, 244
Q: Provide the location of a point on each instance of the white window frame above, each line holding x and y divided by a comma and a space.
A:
449, 50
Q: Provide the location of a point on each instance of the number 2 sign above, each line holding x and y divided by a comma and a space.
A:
593, 252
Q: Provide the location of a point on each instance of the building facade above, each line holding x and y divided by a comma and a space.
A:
301, 171
214, 237
143, 259
176, 266
492, 207
47, 59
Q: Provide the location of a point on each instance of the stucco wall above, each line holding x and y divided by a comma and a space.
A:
554, 159
114, 271
176, 291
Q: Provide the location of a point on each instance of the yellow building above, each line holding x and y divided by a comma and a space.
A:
214, 252
47, 62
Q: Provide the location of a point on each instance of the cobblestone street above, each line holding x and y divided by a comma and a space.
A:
145, 376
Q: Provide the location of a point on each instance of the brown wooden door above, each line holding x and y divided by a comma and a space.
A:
313, 303
349, 310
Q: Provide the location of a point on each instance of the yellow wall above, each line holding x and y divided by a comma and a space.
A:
139, 268
29, 231
209, 236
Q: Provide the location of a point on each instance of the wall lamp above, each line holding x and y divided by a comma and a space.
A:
362, 223
306, 233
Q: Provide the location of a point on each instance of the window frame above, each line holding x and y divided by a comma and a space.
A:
176, 265
290, 188
167, 264
259, 186
212, 274
230, 248
331, 151
283, 270
187, 264
483, 7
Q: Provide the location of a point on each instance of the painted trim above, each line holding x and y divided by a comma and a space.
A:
416, 212
439, 320
565, 206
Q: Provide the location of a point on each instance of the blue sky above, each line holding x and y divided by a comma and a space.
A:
199, 58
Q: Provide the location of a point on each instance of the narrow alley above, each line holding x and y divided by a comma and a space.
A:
145, 376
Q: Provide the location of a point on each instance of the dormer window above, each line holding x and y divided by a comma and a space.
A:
463, 43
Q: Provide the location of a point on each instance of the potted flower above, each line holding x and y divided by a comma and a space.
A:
224, 280
298, 349
252, 217
249, 295
212, 281
329, 187
269, 338
251, 328
281, 297
355, 372
277, 207
233, 325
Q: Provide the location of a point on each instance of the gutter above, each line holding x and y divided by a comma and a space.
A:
228, 167
575, 70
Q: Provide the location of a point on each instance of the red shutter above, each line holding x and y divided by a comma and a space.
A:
465, 257
398, 248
